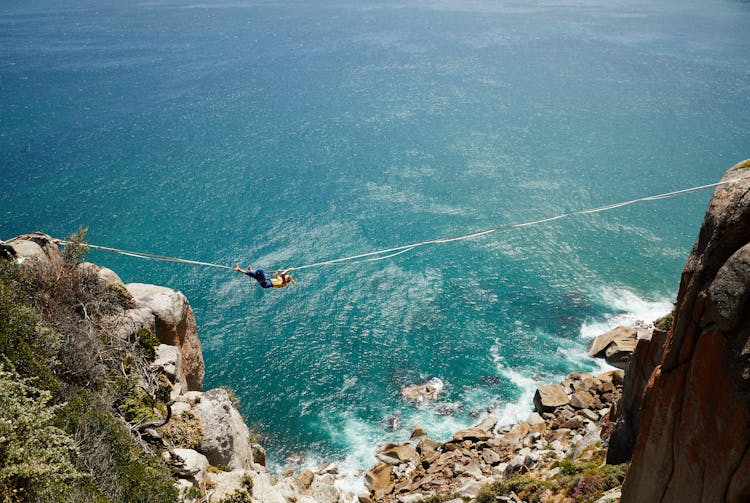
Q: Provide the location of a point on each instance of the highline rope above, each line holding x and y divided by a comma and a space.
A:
398, 250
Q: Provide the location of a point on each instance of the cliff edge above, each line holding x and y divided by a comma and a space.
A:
692, 437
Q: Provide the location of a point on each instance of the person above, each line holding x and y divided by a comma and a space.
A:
280, 278
8, 252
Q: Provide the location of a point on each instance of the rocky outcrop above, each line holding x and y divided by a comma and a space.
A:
693, 438
174, 324
476, 456
426, 391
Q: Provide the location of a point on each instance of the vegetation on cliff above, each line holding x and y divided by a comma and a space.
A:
73, 395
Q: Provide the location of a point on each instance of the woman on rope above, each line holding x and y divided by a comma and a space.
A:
280, 278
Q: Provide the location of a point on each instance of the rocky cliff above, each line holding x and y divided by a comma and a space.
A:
200, 436
692, 436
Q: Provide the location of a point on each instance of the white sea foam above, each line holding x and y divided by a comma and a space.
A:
627, 308
520, 409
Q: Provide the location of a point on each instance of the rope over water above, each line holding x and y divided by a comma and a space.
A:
398, 250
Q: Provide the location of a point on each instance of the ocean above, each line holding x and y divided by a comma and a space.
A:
283, 133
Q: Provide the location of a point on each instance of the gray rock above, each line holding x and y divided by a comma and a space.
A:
196, 463
423, 392
326, 493
410, 498
470, 489
30, 250
169, 362
730, 292
490, 457
227, 439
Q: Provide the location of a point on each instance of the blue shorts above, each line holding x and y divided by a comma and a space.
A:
260, 276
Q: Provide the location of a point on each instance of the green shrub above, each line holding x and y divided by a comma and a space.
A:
441, 498
149, 342
34, 453
527, 488
183, 431
567, 467
238, 496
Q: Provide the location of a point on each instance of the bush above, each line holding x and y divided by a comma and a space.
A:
527, 488
184, 431
34, 453
567, 467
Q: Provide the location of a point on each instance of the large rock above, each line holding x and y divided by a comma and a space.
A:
174, 325
195, 463
30, 250
423, 392
379, 480
398, 454
475, 434
693, 442
226, 442
616, 346
548, 398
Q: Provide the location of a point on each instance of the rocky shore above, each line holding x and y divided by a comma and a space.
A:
571, 418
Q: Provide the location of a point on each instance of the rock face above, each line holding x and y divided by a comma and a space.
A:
227, 438
693, 438
174, 325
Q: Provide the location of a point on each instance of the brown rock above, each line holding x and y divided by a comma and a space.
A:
471, 434
398, 454
417, 432
305, 479
379, 480
175, 325
617, 335
581, 400
548, 398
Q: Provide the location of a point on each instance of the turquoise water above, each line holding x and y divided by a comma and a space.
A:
282, 133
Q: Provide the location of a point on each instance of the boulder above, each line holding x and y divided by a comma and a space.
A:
619, 352
195, 463
227, 439
379, 480
398, 454
581, 400
326, 493
174, 325
417, 432
472, 434
616, 346
426, 391
227, 484
548, 398
30, 250
305, 479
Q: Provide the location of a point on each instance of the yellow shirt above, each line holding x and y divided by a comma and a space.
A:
277, 283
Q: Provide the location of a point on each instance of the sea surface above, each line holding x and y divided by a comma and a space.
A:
283, 133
